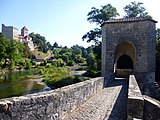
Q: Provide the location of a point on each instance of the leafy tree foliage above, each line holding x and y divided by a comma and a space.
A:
71, 56
49, 45
97, 53
40, 42
91, 61
135, 10
76, 49
93, 35
98, 16
4, 44
55, 45
11, 52
107, 12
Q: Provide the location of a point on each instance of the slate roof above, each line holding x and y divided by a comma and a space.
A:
123, 20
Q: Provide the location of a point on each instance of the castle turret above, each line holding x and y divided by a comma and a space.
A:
24, 31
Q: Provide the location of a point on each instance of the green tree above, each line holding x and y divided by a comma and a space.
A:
15, 50
4, 43
49, 45
65, 57
93, 35
91, 61
98, 16
97, 53
41, 42
10, 51
55, 45
64, 50
135, 10
56, 53
60, 62
76, 49
28, 64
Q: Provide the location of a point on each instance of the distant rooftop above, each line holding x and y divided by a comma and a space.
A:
133, 19
9, 26
25, 28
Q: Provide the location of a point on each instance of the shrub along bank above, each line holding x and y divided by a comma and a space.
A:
57, 77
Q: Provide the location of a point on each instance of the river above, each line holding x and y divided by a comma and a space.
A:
17, 84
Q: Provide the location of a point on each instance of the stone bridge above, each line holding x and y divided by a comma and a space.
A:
128, 49
94, 99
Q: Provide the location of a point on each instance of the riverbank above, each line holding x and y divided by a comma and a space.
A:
19, 83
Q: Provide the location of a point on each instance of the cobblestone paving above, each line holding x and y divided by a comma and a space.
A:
108, 104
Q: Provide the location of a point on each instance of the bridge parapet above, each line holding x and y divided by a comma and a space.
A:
151, 109
51, 105
141, 106
135, 100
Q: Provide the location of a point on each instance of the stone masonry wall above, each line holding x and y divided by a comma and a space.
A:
141, 35
141, 106
135, 100
51, 105
151, 109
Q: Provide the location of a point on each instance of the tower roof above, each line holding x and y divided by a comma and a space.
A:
25, 28
132, 19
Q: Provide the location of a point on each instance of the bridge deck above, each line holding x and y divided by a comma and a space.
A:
111, 102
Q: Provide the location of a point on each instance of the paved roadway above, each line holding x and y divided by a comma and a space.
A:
108, 104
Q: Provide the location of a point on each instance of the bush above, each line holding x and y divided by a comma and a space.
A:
92, 73
22, 63
60, 62
62, 82
44, 63
54, 74
70, 63
34, 63
12, 65
54, 63
28, 65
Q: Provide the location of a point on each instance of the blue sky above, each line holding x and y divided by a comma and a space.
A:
61, 21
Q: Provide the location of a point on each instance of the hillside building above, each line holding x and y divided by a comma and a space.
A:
12, 33
24, 31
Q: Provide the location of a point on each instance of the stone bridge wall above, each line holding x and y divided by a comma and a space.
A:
51, 105
151, 109
141, 106
135, 100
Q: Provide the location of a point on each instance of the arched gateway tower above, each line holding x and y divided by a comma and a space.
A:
128, 46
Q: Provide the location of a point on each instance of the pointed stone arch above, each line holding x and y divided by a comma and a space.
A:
125, 57
124, 62
126, 48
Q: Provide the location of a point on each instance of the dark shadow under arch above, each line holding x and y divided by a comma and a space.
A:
124, 62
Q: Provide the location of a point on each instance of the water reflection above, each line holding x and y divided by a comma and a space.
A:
16, 84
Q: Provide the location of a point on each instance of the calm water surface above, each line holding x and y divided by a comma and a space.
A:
16, 84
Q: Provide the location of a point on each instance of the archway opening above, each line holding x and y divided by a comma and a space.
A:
125, 59
124, 62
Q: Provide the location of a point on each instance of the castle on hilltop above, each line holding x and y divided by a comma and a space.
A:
12, 33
